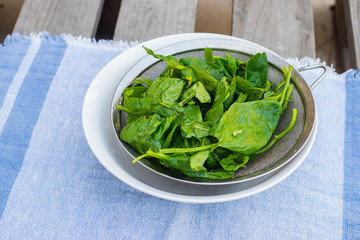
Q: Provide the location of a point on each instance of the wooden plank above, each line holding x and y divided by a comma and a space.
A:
341, 45
9, 11
214, 16
352, 24
76, 17
141, 20
285, 27
324, 27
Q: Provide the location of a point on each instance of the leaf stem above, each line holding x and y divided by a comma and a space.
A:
150, 153
287, 81
188, 150
287, 97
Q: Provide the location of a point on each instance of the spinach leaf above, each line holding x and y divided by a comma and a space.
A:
196, 90
161, 97
193, 126
139, 106
247, 127
148, 106
175, 67
132, 117
277, 137
168, 90
174, 126
253, 93
146, 132
134, 92
256, 70
161, 129
241, 98
233, 162
142, 81
208, 81
208, 54
211, 162
198, 159
202, 65
232, 91
229, 64
217, 110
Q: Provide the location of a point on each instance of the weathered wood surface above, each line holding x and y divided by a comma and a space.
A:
214, 16
286, 27
283, 26
141, 20
350, 12
76, 17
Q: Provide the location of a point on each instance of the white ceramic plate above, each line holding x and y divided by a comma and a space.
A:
103, 141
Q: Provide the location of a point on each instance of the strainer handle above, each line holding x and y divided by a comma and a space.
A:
322, 76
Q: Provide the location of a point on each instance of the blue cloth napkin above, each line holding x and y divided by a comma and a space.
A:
53, 187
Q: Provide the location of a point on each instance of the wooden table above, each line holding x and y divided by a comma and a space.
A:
284, 26
348, 26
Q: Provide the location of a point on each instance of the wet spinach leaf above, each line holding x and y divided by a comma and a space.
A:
223, 92
167, 90
142, 81
204, 66
256, 70
147, 132
233, 162
196, 90
247, 127
134, 92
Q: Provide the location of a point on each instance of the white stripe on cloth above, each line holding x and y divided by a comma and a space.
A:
18, 80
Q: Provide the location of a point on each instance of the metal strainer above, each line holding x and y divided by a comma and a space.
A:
284, 151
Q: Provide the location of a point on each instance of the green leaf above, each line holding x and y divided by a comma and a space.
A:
196, 90
241, 98
139, 106
142, 81
232, 91
159, 132
201, 129
217, 109
277, 137
174, 66
202, 65
132, 117
257, 70
168, 90
253, 93
208, 81
233, 162
247, 127
229, 65
193, 126
138, 133
174, 125
134, 92
198, 159
208, 55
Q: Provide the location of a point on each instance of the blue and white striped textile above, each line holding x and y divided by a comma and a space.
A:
53, 187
